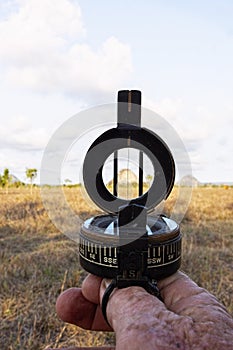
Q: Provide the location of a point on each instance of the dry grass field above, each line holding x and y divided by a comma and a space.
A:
37, 262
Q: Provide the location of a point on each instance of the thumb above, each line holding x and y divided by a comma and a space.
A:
132, 306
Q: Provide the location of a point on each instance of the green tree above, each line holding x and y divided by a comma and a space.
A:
31, 174
5, 179
67, 182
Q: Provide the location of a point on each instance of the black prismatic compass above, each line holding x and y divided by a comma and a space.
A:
128, 245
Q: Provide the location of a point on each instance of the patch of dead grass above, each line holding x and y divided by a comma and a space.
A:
37, 262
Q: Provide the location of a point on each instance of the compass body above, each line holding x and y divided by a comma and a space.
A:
99, 255
127, 244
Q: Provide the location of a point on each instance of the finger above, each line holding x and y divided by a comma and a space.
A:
184, 297
91, 288
91, 291
140, 320
177, 287
133, 305
73, 307
99, 323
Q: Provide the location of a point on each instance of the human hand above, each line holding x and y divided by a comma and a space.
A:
189, 318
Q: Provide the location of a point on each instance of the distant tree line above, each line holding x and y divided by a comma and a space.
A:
6, 179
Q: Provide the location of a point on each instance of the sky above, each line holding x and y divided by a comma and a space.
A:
60, 57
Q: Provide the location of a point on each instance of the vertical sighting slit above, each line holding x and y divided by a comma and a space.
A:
129, 101
140, 175
115, 173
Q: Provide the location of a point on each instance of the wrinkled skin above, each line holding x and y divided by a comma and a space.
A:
189, 317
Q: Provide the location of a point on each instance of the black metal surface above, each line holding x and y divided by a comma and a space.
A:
129, 108
137, 249
115, 173
140, 174
141, 139
132, 250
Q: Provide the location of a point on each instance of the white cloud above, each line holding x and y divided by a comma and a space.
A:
38, 26
205, 133
184, 119
42, 47
170, 107
20, 135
